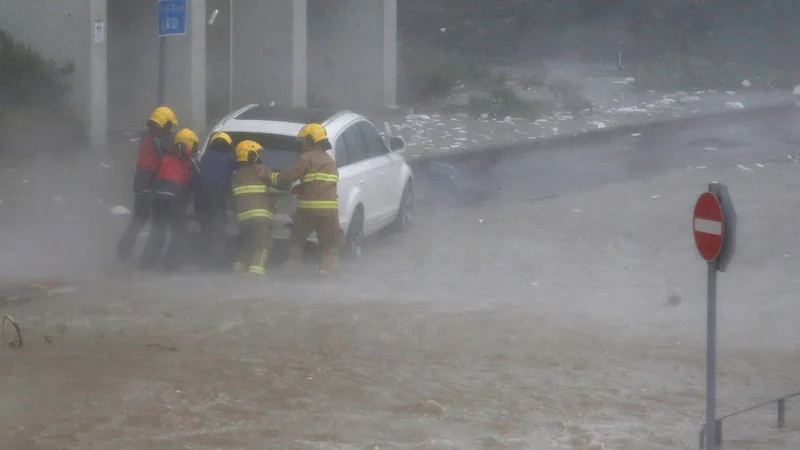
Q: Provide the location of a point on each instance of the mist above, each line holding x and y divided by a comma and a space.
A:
548, 296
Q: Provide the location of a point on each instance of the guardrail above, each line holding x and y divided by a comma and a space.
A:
781, 401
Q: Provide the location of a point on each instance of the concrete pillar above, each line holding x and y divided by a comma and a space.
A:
98, 74
269, 52
299, 52
197, 61
390, 53
353, 53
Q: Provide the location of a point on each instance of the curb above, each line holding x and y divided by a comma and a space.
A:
519, 147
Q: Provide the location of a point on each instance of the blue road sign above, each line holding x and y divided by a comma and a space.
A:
171, 17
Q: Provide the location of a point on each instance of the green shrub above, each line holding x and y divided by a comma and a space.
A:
28, 78
426, 71
675, 72
503, 101
570, 95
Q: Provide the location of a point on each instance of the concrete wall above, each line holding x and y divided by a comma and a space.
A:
348, 63
133, 65
269, 45
60, 30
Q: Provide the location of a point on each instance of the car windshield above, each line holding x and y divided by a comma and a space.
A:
280, 151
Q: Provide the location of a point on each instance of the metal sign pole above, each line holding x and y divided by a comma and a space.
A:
711, 358
162, 69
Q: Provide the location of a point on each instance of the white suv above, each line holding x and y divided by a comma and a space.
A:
375, 182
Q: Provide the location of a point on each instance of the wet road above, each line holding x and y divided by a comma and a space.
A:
555, 171
561, 307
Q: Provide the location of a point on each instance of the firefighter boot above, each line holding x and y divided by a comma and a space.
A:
295, 257
330, 259
259, 263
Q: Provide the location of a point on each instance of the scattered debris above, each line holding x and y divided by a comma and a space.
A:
734, 105
47, 339
119, 210
16, 342
746, 83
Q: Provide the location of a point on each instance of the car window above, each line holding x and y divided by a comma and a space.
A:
340, 155
354, 145
280, 151
375, 145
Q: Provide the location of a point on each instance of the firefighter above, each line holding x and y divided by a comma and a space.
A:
255, 209
152, 144
210, 201
317, 205
177, 177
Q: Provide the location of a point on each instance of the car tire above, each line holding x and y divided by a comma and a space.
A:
354, 241
405, 212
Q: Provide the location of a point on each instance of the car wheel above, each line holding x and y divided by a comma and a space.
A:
354, 241
405, 213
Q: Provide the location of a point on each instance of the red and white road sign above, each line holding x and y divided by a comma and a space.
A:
708, 226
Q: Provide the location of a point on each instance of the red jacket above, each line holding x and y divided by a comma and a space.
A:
150, 150
176, 176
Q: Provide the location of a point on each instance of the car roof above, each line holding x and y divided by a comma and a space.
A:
284, 120
287, 114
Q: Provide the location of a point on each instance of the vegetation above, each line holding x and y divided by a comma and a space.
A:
667, 44
26, 78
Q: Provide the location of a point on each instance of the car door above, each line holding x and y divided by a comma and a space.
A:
348, 179
386, 173
359, 174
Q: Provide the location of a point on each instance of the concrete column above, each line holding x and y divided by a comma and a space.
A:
390, 53
197, 61
299, 53
270, 48
98, 74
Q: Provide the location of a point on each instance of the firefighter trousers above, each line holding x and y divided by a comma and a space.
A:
212, 216
168, 214
256, 240
141, 214
326, 224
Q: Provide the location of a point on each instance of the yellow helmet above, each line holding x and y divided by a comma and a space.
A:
164, 118
221, 139
186, 141
247, 151
314, 133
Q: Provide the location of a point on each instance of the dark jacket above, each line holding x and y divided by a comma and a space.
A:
217, 166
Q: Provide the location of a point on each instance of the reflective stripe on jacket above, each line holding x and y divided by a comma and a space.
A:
316, 170
250, 194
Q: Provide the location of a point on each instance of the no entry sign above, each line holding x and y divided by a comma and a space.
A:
709, 226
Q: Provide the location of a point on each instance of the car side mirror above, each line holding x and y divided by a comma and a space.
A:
396, 143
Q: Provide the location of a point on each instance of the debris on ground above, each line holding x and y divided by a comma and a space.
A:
16, 342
